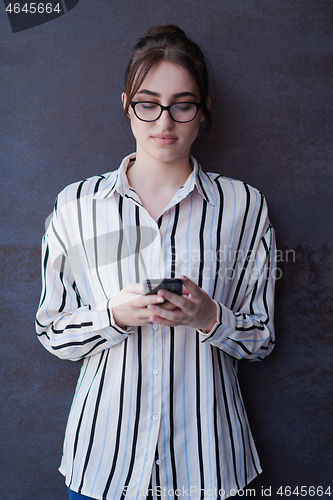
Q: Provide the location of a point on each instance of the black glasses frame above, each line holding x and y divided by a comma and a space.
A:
167, 108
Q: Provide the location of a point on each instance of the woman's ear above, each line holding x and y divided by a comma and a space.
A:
123, 99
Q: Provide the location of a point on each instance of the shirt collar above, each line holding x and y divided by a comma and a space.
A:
201, 181
117, 181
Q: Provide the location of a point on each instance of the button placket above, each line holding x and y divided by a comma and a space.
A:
154, 266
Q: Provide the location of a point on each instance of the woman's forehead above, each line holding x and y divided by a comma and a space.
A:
168, 78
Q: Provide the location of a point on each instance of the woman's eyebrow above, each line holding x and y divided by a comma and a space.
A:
156, 94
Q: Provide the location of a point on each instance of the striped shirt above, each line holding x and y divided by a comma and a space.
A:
157, 407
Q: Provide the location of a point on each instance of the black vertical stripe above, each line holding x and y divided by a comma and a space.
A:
150, 491
218, 235
137, 413
58, 237
253, 296
264, 297
227, 412
112, 187
120, 243
172, 241
157, 470
138, 253
77, 435
247, 208
197, 356
172, 353
202, 188
77, 294
45, 261
198, 415
159, 222
79, 216
120, 416
76, 439
242, 433
245, 418
201, 241
101, 177
93, 427
249, 254
94, 218
172, 446
137, 245
216, 436
61, 277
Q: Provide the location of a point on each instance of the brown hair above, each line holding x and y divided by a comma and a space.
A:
167, 43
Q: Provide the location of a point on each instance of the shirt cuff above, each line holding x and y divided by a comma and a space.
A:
103, 319
113, 323
217, 323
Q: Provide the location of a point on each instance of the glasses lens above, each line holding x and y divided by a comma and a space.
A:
183, 111
148, 111
180, 111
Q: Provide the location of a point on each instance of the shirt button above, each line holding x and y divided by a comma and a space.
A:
155, 326
155, 417
155, 372
158, 462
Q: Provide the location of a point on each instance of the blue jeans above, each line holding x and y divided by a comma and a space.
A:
77, 496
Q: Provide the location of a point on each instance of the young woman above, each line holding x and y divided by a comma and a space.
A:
157, 409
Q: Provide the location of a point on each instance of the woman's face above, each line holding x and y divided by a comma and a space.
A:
166, 140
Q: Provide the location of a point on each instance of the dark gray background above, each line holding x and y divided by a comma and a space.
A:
272, 112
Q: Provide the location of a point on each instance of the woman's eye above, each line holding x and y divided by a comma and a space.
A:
182, 106
149, 105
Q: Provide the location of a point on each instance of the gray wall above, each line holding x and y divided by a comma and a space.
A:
272, 111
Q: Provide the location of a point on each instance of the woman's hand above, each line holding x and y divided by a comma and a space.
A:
129, 307
196, 309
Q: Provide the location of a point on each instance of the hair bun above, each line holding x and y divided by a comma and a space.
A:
167, 29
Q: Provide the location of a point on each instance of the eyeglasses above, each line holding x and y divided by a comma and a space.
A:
181, 112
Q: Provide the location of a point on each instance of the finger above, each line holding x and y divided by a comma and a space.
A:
162, 321
168, 305
135, 288
152, 299
176, 299
164, 314
190, 286
142, 301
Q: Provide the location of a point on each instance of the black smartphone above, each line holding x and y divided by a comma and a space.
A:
151, 286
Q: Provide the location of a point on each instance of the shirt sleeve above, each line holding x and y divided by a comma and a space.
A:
248, 332
67, 327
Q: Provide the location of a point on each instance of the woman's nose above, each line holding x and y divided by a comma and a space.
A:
165, 120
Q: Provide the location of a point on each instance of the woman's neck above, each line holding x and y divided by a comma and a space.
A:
158, 176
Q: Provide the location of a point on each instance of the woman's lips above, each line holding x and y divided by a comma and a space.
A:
165, 139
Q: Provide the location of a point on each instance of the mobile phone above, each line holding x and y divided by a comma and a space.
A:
151, 286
